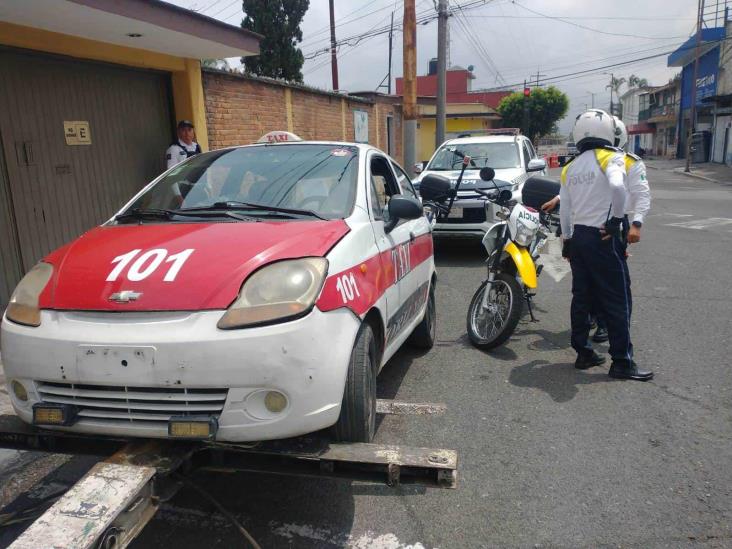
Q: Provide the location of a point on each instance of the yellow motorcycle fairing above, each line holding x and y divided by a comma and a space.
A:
524, 264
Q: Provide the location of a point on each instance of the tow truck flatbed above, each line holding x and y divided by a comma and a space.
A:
113, 502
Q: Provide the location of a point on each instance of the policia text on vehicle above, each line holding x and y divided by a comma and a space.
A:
593, 197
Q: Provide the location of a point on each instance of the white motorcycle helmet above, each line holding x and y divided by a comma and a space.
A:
621, 133
594, 128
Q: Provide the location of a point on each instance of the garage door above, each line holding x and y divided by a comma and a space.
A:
57, 186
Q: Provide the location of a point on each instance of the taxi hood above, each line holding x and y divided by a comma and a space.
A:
175, 266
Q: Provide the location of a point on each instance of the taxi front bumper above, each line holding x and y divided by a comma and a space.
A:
128, 374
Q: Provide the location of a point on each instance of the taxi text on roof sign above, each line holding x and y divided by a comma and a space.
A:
278, 137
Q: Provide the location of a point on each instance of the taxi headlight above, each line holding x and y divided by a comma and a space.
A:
23, 305
281, 291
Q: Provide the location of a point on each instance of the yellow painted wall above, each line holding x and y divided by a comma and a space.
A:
427, 129
186, 73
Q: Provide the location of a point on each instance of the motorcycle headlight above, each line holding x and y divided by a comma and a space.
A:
281, 291
23, 305
524, 235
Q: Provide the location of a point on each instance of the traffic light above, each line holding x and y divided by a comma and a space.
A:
527, 92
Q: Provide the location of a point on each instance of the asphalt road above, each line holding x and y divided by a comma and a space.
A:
549, 456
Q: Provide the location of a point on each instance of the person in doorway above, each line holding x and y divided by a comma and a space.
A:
184, 147
593, 197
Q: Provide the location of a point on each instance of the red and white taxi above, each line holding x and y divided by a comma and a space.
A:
249, 293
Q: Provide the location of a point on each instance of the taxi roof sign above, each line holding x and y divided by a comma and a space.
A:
278, 137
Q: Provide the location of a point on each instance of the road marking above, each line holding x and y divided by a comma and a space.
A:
700, 224
396, 407
673, 215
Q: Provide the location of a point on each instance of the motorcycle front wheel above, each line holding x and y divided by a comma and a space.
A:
490, 327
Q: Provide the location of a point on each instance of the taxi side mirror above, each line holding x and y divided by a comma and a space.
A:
402, 207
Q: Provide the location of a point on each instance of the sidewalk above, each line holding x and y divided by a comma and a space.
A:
716, 173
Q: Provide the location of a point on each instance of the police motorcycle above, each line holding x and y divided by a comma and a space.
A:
514, 245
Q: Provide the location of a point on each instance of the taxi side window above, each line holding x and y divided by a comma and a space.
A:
404, 182
383, 186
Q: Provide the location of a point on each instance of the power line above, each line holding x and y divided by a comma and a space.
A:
343, 21
594, 29
225, 8
423, 18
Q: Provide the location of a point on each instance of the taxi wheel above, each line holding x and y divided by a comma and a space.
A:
423, 335
357, 422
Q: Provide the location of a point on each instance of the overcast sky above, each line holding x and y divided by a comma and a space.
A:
506, 41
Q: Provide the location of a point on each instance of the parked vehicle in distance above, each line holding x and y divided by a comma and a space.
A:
248, 293
510, 154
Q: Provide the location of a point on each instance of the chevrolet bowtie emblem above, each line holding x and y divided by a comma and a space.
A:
125, 296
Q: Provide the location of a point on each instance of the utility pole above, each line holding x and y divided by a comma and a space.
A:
592, 94
692, 119
612, 83
391, 34
409, 101
441, 72
526, 109
333, 56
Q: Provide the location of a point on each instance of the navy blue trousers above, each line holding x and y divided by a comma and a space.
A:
600, 284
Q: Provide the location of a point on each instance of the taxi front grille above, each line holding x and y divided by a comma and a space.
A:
133, 404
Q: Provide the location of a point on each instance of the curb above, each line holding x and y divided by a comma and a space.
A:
697, 176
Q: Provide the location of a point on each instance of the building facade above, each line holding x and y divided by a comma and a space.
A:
659, 110
706, 91
467, 111
640, 134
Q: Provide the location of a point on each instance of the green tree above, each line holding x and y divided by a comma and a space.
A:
614, 86
279, 22
637, 82
546, 106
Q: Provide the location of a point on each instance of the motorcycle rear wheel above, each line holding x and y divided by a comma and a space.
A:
489, 328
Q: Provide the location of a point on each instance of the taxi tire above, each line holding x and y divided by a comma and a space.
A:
357, 422
423, 336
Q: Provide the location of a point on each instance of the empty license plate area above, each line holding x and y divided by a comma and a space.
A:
111, 361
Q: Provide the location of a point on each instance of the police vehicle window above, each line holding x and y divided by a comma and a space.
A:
527, 153
496, 154
532, 151
319, 178
384, 186
404, 182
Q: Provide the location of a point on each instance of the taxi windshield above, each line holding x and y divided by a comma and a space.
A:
316, 179
497, 155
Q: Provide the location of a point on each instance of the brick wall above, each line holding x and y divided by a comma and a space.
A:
240, 109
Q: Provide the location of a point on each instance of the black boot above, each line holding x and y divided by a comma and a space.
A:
600, 335
629, 370
588, 360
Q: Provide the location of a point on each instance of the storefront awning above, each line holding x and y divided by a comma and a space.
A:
643, 127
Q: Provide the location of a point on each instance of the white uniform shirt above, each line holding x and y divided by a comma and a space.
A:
639, 199
176, 153
593, 189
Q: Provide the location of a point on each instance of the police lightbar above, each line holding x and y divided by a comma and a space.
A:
278, 137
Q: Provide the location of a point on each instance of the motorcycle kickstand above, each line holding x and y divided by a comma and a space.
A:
531, 310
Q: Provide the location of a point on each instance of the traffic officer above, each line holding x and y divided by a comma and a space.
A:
639, 202
593, 197
184, 147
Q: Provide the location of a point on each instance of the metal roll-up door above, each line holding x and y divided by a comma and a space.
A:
59, 190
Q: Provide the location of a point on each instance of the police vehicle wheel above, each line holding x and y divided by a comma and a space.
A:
489, 328
423, 335
357, 422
